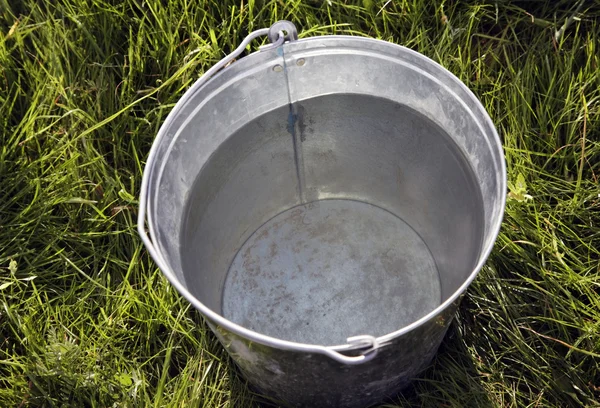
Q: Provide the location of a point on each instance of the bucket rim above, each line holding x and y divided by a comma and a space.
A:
356, 343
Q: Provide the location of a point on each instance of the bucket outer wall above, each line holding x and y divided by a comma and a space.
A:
314, 380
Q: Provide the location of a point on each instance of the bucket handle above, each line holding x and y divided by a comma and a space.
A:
361, 341
278, 33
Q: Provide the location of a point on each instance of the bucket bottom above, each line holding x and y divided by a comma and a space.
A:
324, 271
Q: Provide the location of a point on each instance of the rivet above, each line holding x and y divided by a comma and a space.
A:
277, 68
300, 62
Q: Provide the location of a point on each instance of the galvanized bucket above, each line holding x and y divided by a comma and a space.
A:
324, 203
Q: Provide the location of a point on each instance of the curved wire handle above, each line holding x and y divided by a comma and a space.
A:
362, 341
154, 253
280, 31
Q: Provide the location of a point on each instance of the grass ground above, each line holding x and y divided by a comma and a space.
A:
87, 320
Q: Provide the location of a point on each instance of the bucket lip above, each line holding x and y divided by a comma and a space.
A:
305, 347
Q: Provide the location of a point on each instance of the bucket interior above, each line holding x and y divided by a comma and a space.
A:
342, 215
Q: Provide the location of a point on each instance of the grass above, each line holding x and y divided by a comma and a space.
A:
87, 320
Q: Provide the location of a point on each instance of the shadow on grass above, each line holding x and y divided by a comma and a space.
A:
451, 380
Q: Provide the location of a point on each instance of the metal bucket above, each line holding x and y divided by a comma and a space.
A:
324, 203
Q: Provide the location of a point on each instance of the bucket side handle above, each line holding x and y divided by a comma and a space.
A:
369, 354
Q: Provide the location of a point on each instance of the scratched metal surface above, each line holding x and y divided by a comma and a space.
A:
328, 270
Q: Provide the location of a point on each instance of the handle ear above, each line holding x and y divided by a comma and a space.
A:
287, 27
